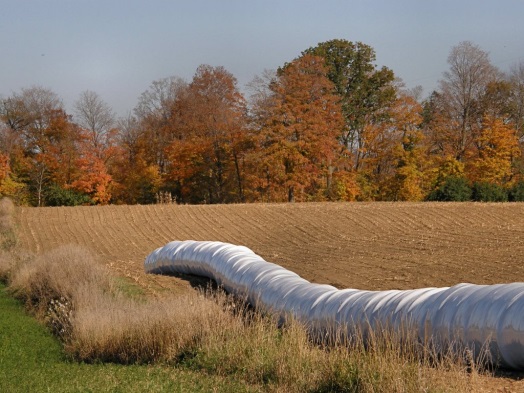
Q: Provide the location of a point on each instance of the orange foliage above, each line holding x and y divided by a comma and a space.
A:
51, 147
303, 138
299, 141
206, 158
93, 179
133, 179
409, 154
4, 167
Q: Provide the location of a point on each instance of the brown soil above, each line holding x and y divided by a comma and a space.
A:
373, 246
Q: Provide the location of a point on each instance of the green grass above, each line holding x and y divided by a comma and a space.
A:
125, 286
31, 360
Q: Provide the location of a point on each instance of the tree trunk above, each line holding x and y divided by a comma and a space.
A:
291, 194
239, 177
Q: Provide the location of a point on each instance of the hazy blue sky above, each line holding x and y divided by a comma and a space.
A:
117, 48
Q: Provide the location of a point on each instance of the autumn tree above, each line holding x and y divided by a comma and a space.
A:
28, 112
92, 178
11, 153
496, 148
299, 140
54, 163
261, 98
133, 178
394, 168
496, 100
48, 138
408, 153
365, 91
207, 156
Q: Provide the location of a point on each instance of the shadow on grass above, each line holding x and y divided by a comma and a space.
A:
197, 282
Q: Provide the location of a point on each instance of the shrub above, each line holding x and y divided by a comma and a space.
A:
516, 193
489, 192
58, 275
453, 189
58, 196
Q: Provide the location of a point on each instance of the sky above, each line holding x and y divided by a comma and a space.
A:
117, 48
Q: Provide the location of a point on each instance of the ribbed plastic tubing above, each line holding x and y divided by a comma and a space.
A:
480, 317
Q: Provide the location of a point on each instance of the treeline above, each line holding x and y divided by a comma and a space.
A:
327, 126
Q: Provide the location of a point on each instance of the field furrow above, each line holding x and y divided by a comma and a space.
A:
368, 246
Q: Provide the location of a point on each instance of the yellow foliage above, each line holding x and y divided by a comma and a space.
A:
15, 190
409, 180
344, 187
447, 167
497, 146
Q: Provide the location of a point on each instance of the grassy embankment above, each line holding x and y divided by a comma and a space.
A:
32, 359
105, 340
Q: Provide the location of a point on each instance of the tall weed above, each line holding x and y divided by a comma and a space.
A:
285, 359
7, 238
58, 275
7, 225
124, 330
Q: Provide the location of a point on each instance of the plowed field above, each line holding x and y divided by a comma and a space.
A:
367, 246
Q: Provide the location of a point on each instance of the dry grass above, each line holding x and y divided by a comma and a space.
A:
123, 330
6, 264
7, 238
7, 224
7, 209
285, 359
74, 296
66, 273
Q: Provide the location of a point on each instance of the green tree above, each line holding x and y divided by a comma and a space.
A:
489, 192
453, 189
516, 193
366, 92
58, 196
